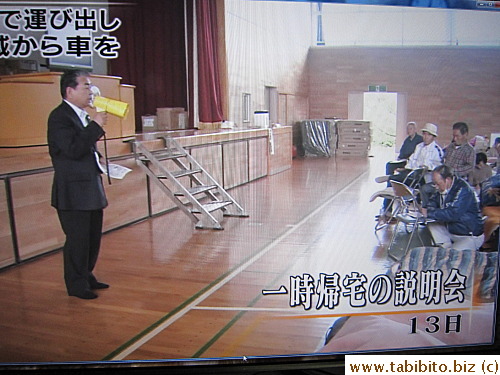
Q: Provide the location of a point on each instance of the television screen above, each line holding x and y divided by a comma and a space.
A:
76, 48
328, 257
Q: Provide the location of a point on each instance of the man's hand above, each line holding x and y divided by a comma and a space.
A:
101, 118
424, 212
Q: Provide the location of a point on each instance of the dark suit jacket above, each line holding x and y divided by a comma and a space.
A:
77, 181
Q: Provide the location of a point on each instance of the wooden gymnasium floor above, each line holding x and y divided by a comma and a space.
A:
178, 292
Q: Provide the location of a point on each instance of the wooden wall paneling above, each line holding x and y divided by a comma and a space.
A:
257, 158
210, 158
127, 198
26, 125
6, 246
282, 109
37, 225
282, 158
235, 159
128, 123
160, 202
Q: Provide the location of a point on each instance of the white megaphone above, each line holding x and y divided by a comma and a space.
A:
102, 104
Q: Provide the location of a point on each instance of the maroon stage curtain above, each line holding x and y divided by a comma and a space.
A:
152, 55
209, 80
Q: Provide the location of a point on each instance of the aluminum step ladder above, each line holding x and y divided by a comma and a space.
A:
187, 184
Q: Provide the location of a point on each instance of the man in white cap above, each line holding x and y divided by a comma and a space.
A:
427, 155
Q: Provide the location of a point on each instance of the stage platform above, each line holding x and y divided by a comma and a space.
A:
29, 225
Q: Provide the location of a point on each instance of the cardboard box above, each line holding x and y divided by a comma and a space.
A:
359, 138
353, 127
182, 120
171, 118
353, 146
149, 123
358, 153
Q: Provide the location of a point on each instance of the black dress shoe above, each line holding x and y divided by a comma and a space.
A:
86, 294
99, 285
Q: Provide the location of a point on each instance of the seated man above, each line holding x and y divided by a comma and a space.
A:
407, 148
427, 154
459, 155
455, 209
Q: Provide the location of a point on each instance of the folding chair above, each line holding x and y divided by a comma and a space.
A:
408, 213
412, 181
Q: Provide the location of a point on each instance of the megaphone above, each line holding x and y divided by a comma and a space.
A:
102, 104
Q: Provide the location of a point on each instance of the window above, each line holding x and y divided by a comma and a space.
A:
246, 107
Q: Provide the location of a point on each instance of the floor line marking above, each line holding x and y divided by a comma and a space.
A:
234, 320
169, 319
243, 308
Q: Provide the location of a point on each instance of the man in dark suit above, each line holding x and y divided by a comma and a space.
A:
77, 190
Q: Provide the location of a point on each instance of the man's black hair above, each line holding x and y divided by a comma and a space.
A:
481, 157
462, 126
69, 79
